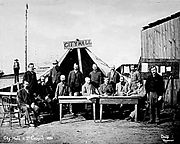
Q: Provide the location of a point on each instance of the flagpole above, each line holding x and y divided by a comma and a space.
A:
26, 16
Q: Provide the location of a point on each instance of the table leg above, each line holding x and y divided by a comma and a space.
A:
94, 112
60, 112
101, 106
136, 112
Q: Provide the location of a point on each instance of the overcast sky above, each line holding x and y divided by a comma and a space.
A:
114, 26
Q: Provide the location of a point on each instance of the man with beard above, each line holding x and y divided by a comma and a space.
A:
121, 87
154, 88
96, 77
113, 77
62, 89
26, 104
75, 81
30, 77
44, 96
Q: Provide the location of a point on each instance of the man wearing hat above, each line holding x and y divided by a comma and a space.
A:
55, 75
16, 68
113, 77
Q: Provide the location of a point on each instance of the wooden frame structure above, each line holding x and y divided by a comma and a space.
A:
76, 99
119, 100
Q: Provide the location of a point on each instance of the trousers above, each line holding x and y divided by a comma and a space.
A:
154, 106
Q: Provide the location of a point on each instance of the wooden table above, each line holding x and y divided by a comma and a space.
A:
76, 99
118, 100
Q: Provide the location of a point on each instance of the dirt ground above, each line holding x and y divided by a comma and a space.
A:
81, 131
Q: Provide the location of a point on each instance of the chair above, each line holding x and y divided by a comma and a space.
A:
10, 111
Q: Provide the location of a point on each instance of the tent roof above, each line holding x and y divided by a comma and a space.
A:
88, 59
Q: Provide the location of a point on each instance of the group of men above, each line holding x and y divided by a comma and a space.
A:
37, 97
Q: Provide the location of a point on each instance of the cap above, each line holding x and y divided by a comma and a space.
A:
16, 60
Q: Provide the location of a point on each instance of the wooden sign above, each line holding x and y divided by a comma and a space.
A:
77, 44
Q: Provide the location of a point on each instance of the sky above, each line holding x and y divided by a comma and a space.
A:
114, 27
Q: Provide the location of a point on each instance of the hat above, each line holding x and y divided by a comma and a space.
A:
112, 67
16, 60
55, 62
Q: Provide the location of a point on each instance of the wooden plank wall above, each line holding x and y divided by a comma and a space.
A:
163, 42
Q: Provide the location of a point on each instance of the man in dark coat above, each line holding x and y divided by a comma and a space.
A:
75, 80
30, 77
44, 96
26, 103
154, 88
16, 68
55, 75
113, 77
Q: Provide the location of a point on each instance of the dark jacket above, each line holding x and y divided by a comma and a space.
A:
75, 81
44, 90
24, 97
115, 78
30, 77
55, 75
155, 84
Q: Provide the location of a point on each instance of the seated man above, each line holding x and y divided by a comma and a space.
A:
121, 87
106, 88
44, 97
141, 92
88, 88
26, 104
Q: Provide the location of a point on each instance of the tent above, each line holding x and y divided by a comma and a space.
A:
87, 59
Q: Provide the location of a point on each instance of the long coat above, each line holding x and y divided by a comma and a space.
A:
31, 78
75, 81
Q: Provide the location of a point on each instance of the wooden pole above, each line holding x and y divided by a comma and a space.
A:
79, 59
26, 37
172, 91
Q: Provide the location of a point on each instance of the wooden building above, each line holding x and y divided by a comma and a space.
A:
160, 45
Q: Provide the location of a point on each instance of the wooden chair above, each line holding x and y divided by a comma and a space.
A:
10, 107
10, 111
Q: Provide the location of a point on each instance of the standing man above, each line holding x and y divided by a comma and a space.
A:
96, 77
62, 89
135, 78
154, 88
30, 77
113, 77
55, 75
16, 68
75, 81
